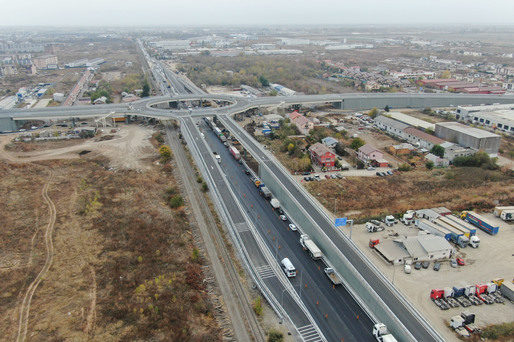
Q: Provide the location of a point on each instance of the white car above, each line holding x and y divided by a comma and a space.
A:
293, 227
283, 217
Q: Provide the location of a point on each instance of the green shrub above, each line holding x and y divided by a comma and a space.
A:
176, 201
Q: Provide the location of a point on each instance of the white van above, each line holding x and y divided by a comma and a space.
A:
288, 268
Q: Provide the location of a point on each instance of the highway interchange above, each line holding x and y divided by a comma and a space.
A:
310, 303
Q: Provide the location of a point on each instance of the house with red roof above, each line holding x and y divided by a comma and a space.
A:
322, 156
304, 125
368, 153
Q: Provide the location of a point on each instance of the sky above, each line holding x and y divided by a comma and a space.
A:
254, 12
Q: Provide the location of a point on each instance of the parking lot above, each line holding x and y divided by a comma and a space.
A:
493, 259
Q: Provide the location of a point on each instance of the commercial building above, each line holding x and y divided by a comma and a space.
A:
322, 156
414, 248
420, 138
463, 135
391, 126
77, 64
42, 62
500, 117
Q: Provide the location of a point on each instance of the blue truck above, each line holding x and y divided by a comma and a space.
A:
480, 222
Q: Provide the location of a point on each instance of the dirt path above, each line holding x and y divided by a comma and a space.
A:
25, 306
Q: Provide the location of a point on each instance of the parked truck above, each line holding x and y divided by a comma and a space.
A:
310, 246
275, 204
408, 217
374, 226
234, 152
382, 334
459, 239
333, 276
507, 215
498, 210
507, 290
433, 228
265, 191
389, 220
480, 222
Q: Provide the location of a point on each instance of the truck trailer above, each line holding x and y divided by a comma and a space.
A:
507, 215
433, 228
310, 246
234, 152
480, 222
498, 210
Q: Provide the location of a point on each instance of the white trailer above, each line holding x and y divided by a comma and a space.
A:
310, 246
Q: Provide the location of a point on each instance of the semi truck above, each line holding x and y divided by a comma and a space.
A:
389, 220
507, 215
310, 246
275, 204
374, 226
433, 228
474, 240
460, 240
408, 217
480, 222
382, 334
234, 152
498, 210
333, 276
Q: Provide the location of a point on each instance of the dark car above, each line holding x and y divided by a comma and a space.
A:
426, 264
417, 265
437, 266
389, 173
306, 173
247, 172
307, 179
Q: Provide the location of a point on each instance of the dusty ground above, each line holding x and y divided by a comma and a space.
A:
482, 266
90, 250
129, 148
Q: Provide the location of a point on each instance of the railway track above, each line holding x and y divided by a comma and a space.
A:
244, 322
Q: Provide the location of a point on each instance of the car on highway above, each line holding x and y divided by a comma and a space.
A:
247, 172
293, 227
283, 217
460, 262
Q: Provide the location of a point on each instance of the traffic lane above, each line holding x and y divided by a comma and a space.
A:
285, 243
400, 310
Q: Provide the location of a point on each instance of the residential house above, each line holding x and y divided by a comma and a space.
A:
304, 125
329, 142
100, 100
322, 156
368, 153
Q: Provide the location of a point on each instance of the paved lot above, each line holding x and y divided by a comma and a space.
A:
493, 259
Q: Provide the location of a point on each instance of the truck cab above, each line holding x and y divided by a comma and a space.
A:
389, 220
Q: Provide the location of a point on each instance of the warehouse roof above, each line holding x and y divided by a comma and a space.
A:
475, 132
424, 136
391, 122
410, 120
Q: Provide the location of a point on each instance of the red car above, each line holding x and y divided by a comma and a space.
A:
460, 262
327, 177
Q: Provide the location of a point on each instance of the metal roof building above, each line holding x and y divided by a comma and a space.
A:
466, 136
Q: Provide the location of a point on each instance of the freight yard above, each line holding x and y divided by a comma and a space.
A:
492, 260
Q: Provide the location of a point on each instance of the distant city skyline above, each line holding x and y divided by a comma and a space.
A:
255, 13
